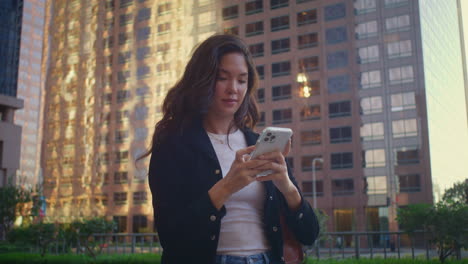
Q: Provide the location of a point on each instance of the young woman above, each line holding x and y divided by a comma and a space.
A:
209, 206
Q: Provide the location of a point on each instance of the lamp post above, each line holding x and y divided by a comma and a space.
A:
314, 191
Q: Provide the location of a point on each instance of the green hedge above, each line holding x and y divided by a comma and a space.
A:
156, 259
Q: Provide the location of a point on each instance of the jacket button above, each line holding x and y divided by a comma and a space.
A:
213, 237
301, 215
213, 218
275, 229
271, 198
217, 172
282, 258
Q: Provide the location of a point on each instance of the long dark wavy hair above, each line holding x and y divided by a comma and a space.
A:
192, 95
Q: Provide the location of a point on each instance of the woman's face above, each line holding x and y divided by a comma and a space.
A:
231, 85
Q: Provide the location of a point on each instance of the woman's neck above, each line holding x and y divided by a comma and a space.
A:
218, 125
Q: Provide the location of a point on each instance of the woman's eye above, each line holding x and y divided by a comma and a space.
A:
222, 78
242, 81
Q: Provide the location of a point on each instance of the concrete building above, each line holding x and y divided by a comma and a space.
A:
373, 88
10, 134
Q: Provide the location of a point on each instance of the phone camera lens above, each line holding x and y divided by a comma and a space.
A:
273, 137
268, 134
266, 139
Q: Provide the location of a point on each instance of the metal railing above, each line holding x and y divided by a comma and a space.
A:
335, 245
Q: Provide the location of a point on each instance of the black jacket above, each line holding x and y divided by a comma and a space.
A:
181, 171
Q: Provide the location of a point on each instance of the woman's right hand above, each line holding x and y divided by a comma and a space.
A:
242, 172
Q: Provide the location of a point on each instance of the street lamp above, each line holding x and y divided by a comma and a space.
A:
314, 191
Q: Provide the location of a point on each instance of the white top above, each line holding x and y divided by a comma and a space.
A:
242, 227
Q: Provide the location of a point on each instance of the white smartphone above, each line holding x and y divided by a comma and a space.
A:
271, 139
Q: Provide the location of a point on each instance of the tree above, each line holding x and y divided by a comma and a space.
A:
457, 194
13, 200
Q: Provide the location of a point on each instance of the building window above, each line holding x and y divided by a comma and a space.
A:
140, 223
120, 177
364, 6
306, 163
121, 136
279, 23
124, 38
109, 43
110, 5
232, 31
121, 156
401, 75
162, 68
310, 112
121, 222
280, 46
340, 134
230, 12
368, 54
124, 57
337, 59
336, 35
104, 159
141, 133
261, 95
307, 188
370, 79
307, 40
281, 92
407, 156
309, 64
311, 137
257, 50
342, 187
253, 29
339, 109
303, 1
164, 9
342, 160
142, 92
404, 128
399, 49
143, 33
123, 96
371, 105
403, 101
144, 14
107, 98
122, 116
120, 198
123, 76
282, 116
372, 131
253, 7
125, 3
163, 47
338, 84
140, 197
376, 185
164, 28
281, 68
261, 72
373, 158
125, 19
307, 17
141, 112
395, 3
143, 52
367, 29
396, 24
261, 120
274, 4
333, 12
409, 183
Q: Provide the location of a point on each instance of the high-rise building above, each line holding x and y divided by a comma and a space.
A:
10, 134
374, 88
29, 90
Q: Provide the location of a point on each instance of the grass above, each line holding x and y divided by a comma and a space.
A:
156, 259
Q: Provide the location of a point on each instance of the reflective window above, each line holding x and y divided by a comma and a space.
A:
281, 92
338, 84
257, 50
311, 137
164, 28
336, 11
370, 79
340, 134
366, 30
124, 57
341, 160
282, 116
307, 188
395, 3
261, 72
403, 101
261, 95
274, 4
164, 8
399, 49
368, 54
309, 64
143, 33
230, 12
143, 72
280, 68
307, 17
371, 105
307, 40
310, 112
280, 45
337, 59
279, 23
141, 133
404, 128
339, 109
409, 183
364, 6
376, 185
143, 52
342, 187
141, 112
407, 156
372, 131
336, 35
399, 23
253, 7
306, 163
372, 158
232, 30
125, 19
144, 14
401, 75
255, 28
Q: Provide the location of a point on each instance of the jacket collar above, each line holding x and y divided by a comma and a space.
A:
196, 136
